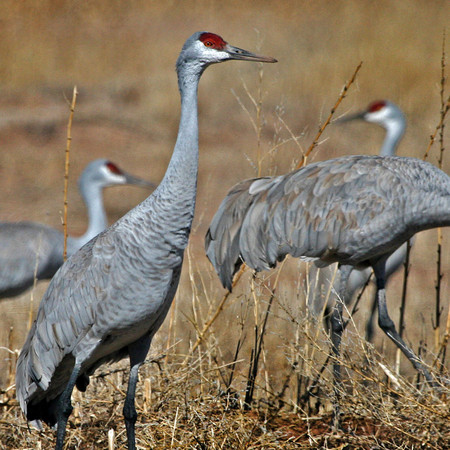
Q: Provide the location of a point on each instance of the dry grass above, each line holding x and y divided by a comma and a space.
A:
121, 57
186, 401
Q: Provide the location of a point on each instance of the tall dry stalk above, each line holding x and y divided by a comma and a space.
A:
341, 97
66, 167
439, 274
440, 345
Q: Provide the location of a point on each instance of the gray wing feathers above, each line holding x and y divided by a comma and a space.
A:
64, 317
348, 209
315, 211
222, 238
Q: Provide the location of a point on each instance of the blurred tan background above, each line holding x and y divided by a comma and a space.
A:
121, 57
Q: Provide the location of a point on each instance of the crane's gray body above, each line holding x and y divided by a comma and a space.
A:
109, 298
352, 210
27, 248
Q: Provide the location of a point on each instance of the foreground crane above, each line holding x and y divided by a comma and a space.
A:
108, 300
29, 249
390, 117
354, 210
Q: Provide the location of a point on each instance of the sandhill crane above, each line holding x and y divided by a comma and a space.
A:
390, 117
108, 300
353, 210
29, 247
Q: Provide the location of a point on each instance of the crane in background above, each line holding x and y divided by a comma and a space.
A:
30, 250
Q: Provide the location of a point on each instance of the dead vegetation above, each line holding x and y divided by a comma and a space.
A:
198, 400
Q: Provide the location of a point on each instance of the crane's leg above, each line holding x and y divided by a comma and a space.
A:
65, 407
337, 328
369, 324
387, 325
137, 351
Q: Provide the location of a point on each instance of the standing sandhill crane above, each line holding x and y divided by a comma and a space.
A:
390, 117
108, 300
353, 210
29, 247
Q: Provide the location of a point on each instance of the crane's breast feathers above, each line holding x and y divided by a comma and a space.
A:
93, 287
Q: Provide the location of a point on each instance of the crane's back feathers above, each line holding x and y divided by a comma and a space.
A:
350, 210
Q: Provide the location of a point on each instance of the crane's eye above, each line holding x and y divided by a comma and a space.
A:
212, 40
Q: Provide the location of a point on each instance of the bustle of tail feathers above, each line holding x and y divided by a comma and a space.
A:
42, 412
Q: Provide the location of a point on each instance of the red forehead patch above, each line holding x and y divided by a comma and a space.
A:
212, 40
113, 168
376, 106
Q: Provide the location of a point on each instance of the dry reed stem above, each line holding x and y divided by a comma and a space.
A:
440, 346
438, 127
341, 97
66, 167
439, 274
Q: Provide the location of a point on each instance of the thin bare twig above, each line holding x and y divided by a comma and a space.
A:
326, 123
439, 275
438, 127
66, 168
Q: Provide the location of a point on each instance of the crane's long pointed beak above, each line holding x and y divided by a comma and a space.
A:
356, 116
244, 55
130, 179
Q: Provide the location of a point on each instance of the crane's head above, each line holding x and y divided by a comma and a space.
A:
204, 48
102, 173
381, 112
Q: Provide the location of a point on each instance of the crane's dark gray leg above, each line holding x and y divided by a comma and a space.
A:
137, 351
65, 407
337, 328
369, 325
387, 325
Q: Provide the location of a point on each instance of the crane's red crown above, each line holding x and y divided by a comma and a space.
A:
113, 168
212, 40
376, 106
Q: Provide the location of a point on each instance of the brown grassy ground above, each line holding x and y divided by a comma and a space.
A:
121, 56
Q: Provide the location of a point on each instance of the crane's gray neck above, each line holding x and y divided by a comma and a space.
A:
395, 130
181, 176
92, 195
